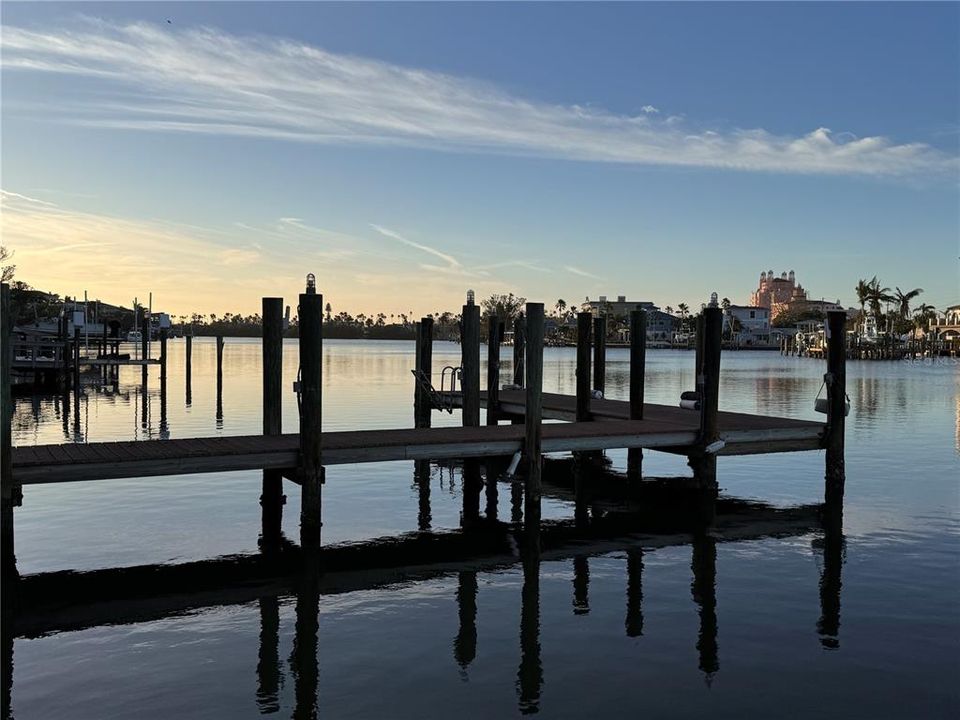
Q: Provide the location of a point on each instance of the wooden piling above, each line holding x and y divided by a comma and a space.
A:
709, 403
704, 463
470, 365
493, 369
424, 365
76, 358
698, 358
599, 352
144, 344
311, 471
534, 416
470, 385
836, 383
519, 343
189, 367
583, 366
494, 465
638, 362
163, 356
9, 494
220, 343
271, 499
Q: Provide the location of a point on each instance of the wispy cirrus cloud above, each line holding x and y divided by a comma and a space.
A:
582, 273
451, 263
205, 80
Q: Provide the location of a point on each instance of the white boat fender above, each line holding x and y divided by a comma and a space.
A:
715, 447
690, 404
597, 394
514, 462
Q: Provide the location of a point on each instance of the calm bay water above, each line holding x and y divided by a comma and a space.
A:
496, 643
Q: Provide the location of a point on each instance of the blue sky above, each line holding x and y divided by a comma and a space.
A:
407, 152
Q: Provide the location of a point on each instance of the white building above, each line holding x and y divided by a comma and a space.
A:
747, 324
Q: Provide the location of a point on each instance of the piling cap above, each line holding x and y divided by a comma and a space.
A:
311, 284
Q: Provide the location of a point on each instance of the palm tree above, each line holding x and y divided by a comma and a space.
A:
878, 295
561, 307
903, 299
668, 310
683, 310
864, 290
725, 303
923, 315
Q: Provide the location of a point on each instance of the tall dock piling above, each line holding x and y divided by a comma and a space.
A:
534, 417
422, 415
9, 493
163, 357
519, 347
424, 366
220, 377
470, 384
698, 358
583, 366
144, 344
76, 359
600, 352
519, 343
189, 370
584, 323
704, 459
311, 470
638, 364
495, 465
836, 383
271, 498
493, 370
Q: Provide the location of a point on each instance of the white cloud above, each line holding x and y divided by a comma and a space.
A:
204, 80
581, 273
452, 264
650, 109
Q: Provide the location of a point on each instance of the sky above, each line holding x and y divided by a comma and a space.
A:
214, 153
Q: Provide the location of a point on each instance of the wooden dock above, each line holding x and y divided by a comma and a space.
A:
664, 428
588, 426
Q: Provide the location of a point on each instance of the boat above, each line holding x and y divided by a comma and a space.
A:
134, 336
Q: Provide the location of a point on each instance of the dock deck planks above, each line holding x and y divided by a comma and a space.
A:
667, 428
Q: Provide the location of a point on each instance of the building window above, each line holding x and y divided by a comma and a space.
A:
753, 314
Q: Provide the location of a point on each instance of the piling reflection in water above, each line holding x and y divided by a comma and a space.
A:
634, 621
833, 545
516, 502
6, 658
530, 675
421, 478
465, 643
268, 661
581, 585
704, 591
304, 662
